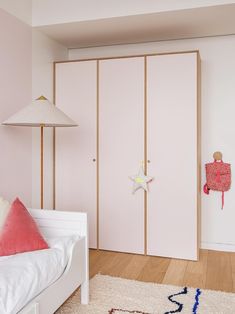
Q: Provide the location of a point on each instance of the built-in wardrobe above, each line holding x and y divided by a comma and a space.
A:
131, 112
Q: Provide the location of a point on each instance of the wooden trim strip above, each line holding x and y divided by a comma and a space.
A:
54, 141
198, 154
130, 56
97, 152
54, 168
145, 155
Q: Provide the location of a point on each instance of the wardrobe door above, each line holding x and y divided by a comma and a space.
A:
121, 139
76, 95
172, 153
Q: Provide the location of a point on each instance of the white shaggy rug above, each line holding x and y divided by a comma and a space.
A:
111, 295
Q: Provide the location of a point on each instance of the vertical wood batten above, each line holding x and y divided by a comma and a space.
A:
198, 153
97, 152
145, 154
54, 140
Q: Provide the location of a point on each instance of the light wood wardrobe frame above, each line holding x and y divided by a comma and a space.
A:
145, 136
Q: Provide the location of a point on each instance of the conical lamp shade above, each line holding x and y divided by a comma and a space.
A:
40, 113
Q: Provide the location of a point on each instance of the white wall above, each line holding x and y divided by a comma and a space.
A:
218, 127
22, 9
44, 52
15, 93
47, 12
26, 60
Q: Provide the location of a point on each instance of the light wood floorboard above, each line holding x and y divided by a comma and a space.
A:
219, 271
135, 266
232, 256
214, 270
154, 270
195, 274
175, 273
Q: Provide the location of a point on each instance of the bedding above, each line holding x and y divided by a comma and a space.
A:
23, 276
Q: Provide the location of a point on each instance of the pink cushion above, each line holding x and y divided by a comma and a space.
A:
20, 233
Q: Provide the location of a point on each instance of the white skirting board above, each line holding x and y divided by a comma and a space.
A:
226, 247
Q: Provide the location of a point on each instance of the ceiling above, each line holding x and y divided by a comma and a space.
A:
180, 24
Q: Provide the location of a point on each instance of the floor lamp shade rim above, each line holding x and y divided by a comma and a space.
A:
40, 113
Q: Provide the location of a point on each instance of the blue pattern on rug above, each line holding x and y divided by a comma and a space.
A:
195, 307
180, 305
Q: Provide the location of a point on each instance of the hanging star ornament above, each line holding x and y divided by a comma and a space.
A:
140, 180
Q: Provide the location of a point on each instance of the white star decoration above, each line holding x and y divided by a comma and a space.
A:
140, 180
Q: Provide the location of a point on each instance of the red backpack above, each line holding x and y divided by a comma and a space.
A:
218, 177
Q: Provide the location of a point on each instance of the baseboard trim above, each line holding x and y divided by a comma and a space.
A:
226, 247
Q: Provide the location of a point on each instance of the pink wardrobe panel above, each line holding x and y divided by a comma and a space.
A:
121, 103
76, 95
172, 151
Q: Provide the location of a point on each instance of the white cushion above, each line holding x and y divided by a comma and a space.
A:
4, 209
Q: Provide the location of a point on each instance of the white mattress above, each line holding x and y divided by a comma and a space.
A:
24, 276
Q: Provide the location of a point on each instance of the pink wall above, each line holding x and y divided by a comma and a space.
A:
15, 93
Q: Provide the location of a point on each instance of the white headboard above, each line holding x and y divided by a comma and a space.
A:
60, 223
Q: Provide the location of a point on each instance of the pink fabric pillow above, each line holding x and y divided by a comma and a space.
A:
20, 233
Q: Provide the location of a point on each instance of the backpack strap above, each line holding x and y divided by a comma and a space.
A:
218, 179
222, 200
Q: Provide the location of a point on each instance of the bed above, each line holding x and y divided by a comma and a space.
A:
66, 233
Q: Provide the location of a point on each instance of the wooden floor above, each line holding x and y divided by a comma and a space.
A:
214, 270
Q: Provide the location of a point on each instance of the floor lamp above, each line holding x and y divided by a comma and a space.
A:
41, 113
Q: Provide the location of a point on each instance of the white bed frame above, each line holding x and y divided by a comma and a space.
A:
61, 223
